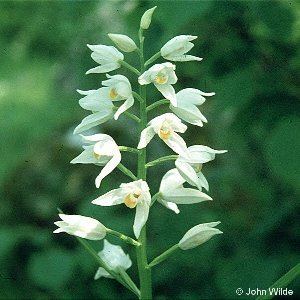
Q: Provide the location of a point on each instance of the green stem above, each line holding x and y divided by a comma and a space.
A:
129, 115
95, 255
163, 256
128, 280
152, 58
123, 237
154, 198
132, 116
157, 103
129, 67
128, 149
126, 171
144, 272
137, 96
282, 282
161, 160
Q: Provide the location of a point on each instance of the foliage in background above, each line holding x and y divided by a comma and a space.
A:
251, 60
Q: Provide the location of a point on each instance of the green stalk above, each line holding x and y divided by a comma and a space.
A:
161, 160
129, 281
152, 58
157, 104
129, 67
126, 171
123, 237
121, 279
144, 272
163, 256
282, 282
128, 149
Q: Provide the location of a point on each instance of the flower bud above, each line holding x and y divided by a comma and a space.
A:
84, 227
146, 18
198, 235
123, 42
115, 258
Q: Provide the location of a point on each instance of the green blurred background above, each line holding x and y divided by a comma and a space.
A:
251, 60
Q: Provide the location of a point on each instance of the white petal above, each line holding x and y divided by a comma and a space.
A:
171, 180
108, 168
186, 196
104, 68
177, 144
191, 115
198, 235
168, 92
203, 180
141, 216
184, 57
113, 197
94, 120
146, 136
190, 95
188, 173
170, 205
102, 273
126, 105
85, 157
85, 93
91, 139
97, 100
145, 78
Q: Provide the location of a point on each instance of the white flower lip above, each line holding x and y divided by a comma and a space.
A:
107, 57
166, 127
115, 258
198, 235
101, 150
177, 47
189, 166
162, 76
119, 88
134, 195
84, 227
172, 192
187, 110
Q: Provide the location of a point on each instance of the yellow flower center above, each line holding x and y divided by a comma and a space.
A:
113, 93
161, 78
197, 167
165, 131
96, 155
131, 199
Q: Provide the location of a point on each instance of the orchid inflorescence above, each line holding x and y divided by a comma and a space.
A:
102, 150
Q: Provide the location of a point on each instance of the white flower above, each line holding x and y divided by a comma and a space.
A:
118, 88
101, 150
84, 227
146, 18
115, 258
107, 57
176, 48
190, 165
172, 192
162, 76
99, 104
123, 42
187, 110
166, 127
198, 235
133, 194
